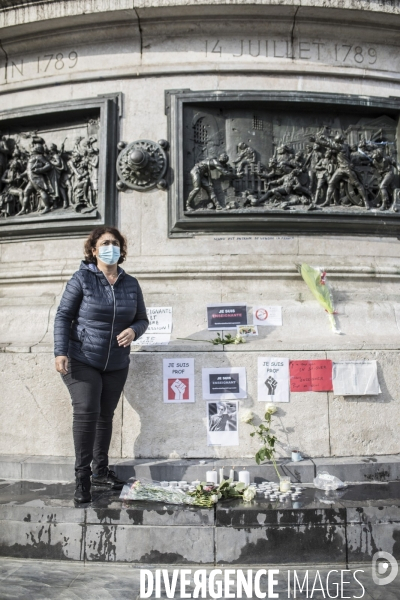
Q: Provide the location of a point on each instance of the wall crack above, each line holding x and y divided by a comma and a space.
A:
6, 60
292, 31
140, 31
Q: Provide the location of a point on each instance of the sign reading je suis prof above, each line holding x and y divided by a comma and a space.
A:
226, 316
178, 380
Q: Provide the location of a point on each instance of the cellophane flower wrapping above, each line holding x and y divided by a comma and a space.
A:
203, 495
153, 491
315, 279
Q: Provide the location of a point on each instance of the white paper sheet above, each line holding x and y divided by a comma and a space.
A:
267, 316
224, 383
160, 319
355, 378
222, 424
178, 380
153, 339
273, 381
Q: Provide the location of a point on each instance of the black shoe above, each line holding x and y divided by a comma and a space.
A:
108, 479
82, 490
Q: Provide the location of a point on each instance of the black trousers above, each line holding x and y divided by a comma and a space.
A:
95, 395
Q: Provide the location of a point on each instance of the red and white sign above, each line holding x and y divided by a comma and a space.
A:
178, 380
178, 389
267, 316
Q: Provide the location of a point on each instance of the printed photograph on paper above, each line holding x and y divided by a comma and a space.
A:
247, 330
222, 424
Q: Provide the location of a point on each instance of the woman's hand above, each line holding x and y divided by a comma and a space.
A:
126, 337
62, 364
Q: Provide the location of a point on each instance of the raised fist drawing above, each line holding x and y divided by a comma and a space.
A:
271, 384
178, 387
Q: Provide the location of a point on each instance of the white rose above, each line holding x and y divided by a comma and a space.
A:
214, 498
247, 416
248, 494
271, 408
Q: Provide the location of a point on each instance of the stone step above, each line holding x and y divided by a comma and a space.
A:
61, 468
38, 520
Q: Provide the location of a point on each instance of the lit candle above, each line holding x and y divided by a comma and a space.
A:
244, 476
284, 484
232, 474
212, 477
221, 475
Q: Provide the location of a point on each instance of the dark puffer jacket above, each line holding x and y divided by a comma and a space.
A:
91, 315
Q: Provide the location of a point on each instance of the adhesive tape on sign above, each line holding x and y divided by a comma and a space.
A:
261, 314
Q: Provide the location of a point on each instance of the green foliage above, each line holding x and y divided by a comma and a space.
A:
227, 339
267, 440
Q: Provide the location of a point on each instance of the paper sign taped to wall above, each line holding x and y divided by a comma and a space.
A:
222, 424
356, 378
224, 383
267, 316
160, 319
273, 379
310, 375
178, 380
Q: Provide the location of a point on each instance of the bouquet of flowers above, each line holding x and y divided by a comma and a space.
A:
204, 494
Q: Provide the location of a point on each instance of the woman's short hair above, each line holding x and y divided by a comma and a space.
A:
94, 236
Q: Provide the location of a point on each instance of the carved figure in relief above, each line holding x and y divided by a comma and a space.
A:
286, 185
385, 165
4, 154
37, 167
12, 178
93, 164
56, 175
344, 171
201, 179
80, 179
247, 156
313, 156
323, 171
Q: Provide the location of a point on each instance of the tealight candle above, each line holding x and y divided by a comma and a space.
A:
212, 477
244, 476
173, 484
197, 482
164, 483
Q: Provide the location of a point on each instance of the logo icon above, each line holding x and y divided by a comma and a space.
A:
271, 384
384, 568
178, 389
262, 314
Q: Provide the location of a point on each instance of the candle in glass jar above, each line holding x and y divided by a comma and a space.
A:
284, 484
244, 477
212, 477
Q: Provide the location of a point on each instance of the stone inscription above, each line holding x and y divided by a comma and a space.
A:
30, 67
325, 52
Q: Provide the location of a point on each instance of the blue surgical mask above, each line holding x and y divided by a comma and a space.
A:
109, 254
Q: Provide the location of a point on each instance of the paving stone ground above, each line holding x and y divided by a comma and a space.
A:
53, 580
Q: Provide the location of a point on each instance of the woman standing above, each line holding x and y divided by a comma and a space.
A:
101, 312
